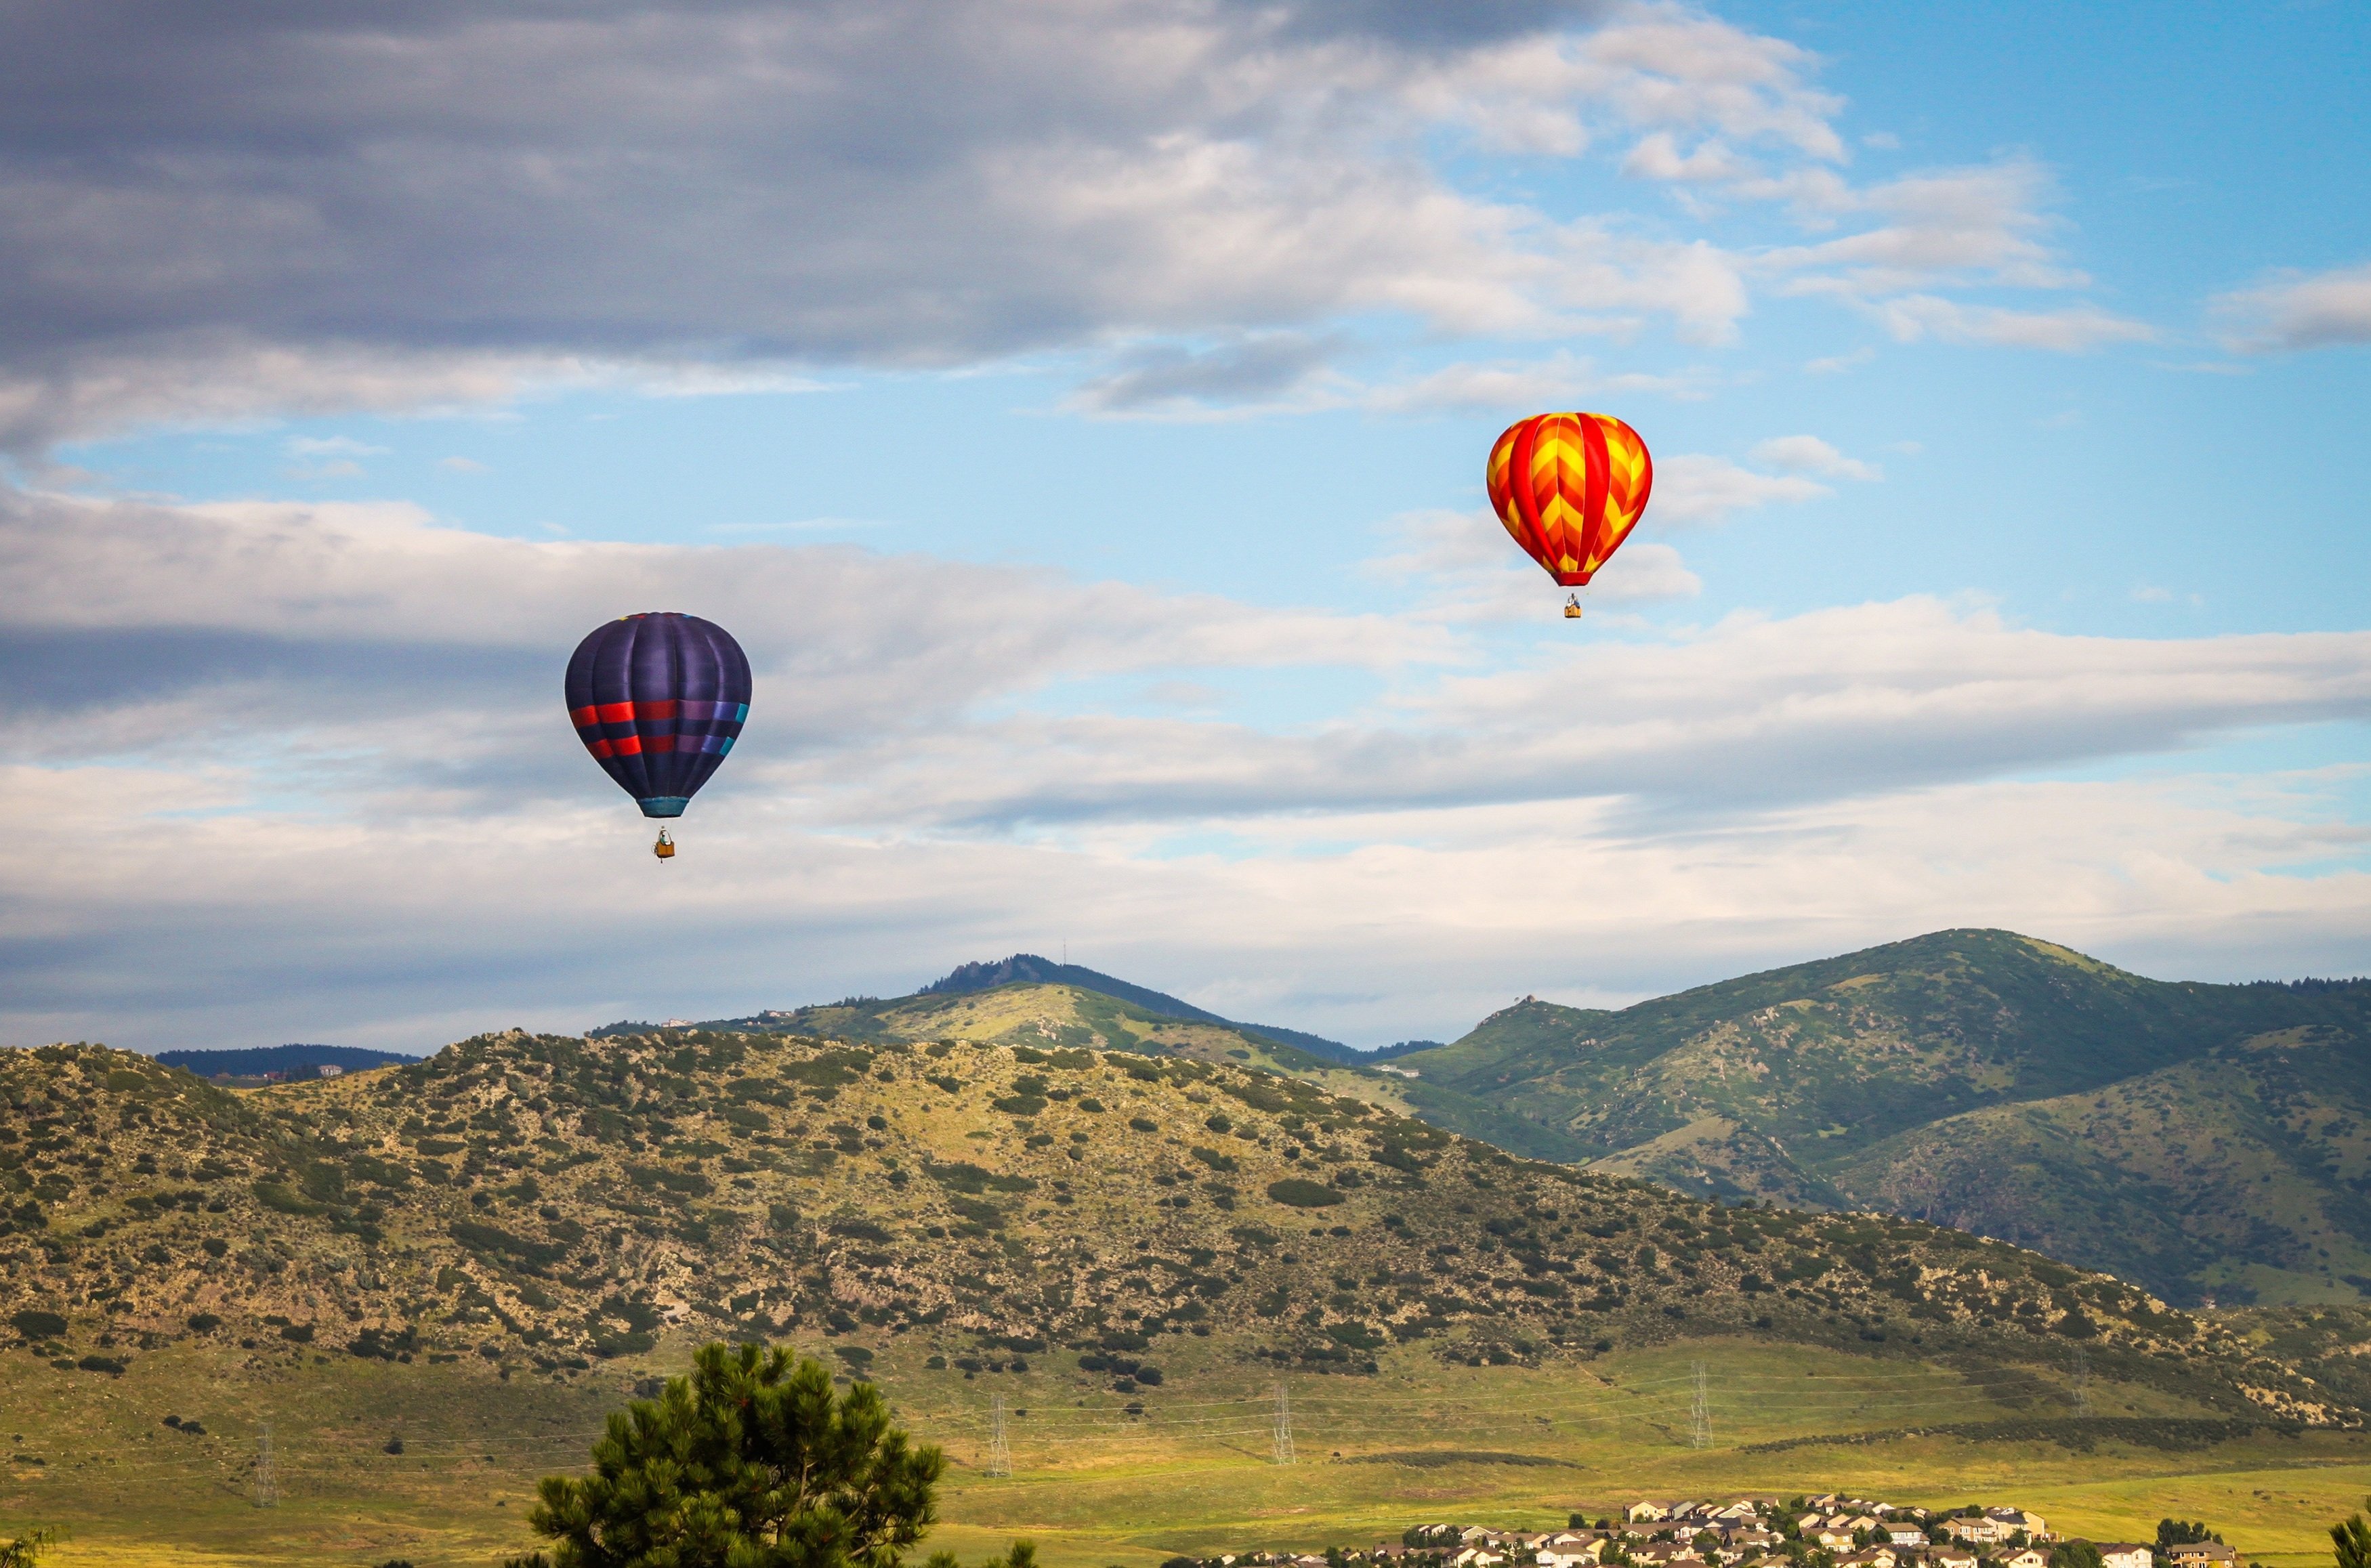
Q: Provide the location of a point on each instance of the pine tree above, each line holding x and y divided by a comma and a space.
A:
2353, 1539
754, 1462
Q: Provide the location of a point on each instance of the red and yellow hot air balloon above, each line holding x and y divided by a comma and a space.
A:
1569, 488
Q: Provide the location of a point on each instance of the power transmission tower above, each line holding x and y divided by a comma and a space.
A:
1000, 1452
2082, 1381
1700, 1414
267, 1484
1283, 1426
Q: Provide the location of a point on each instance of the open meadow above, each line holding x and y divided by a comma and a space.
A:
1195, 1472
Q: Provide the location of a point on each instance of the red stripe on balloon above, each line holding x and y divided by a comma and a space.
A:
1519, 485
1592, 506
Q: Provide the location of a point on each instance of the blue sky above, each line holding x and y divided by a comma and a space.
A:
1079, 412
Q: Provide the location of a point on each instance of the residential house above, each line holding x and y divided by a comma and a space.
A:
2013, 1519
2025, 1557
1903, 1534
2197, 1554
1646, 1512
1834, 1538
1952, 1557
1982, 1530
1563, 1552
1875, 1557
2125, 1554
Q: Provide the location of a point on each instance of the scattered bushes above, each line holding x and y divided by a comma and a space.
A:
1297, 1193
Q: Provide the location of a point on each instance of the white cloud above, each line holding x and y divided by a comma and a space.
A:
1692, 488
265, 216
1809, 455
1516, 387
1658, 157
332, 446
1836, 364
1466, 572
2299, 310
1291, 374
1983, 222
221, 708
2070, 331
1983, 227
183, 919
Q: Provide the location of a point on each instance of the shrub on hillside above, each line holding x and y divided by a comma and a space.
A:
36, 1324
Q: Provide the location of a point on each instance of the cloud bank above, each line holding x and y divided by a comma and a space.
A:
209, 216
312, 769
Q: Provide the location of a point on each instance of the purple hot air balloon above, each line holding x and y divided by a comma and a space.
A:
658, 699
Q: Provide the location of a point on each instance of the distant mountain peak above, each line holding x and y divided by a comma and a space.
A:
1029, 968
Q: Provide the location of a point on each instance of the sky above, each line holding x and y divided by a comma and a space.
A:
1078, 409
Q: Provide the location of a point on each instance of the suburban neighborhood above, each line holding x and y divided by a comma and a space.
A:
1828, 1530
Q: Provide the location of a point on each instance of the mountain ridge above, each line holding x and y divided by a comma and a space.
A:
1855, 1081
1029, 967
254, 1060
535, 1205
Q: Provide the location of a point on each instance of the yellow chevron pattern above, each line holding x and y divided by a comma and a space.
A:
1569, 488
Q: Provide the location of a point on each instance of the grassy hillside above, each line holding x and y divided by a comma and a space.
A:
2207, 1141
1045, 1014
431, 1279
532, 1203
1029, 968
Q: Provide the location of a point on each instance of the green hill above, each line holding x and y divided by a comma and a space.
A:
431, 1280
532, 1204
2210, 1142
1038, 1013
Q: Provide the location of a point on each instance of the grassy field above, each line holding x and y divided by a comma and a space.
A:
1094, 1484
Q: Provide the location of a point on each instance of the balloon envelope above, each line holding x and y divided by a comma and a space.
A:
658, 699
1569, 488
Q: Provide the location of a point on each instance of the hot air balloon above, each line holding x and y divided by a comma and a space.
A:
658, 699
1569, 488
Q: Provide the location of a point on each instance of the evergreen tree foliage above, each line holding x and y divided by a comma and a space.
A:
25, 1551
752, 1461
2353, 1539
2183, 1532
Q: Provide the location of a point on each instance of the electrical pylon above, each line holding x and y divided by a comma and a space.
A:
1000, 1452
267, 1480
1283, 1426
1700, 1414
